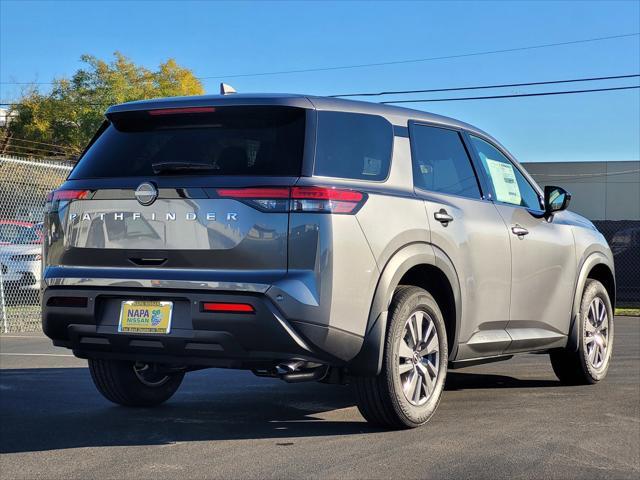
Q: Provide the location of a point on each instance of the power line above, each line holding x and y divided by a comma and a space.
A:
418, 60
393, 62
36, 149
584, 175
10, 151
23, 143
480, 87
15, 139
566, 92
462, 88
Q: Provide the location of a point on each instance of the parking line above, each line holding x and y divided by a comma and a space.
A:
37, 354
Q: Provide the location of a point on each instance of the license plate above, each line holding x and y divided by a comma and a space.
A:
145, 317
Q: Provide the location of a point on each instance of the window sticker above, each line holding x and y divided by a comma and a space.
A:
504, 182
425, 169
372, 166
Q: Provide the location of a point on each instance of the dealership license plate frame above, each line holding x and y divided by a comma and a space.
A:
165, 329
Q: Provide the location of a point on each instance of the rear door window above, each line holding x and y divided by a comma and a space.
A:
353, 145
254, 141
441, 162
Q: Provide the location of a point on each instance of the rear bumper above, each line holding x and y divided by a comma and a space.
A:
197, 338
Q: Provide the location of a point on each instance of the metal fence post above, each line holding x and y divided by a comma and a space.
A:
5, 322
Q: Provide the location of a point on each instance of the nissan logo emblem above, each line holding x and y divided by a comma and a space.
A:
146, 193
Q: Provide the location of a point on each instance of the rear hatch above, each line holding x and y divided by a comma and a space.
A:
181, 188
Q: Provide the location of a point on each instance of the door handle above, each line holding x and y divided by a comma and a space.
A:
519, 231
443, 217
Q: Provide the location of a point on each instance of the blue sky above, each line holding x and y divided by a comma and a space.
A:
42, 40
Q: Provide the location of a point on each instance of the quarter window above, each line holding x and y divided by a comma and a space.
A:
509, 185
352, 145
441, 163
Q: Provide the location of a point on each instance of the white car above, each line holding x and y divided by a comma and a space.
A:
21, 266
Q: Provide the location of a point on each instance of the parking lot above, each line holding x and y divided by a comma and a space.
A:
504, 420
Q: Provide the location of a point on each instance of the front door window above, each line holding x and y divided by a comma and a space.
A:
509, 185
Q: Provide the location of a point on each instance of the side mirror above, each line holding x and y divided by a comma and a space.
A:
556, 199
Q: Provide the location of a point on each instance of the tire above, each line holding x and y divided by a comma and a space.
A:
588, 366
382, 399
119, 382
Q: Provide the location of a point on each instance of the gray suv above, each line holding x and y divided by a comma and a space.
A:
311, 238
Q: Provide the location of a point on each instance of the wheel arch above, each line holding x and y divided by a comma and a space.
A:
597, 266
422, 265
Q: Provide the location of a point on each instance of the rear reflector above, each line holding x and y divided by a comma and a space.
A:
297, 199
227, 307
181, 111
74, 302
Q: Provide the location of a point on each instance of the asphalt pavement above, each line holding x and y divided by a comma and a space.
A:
504, 420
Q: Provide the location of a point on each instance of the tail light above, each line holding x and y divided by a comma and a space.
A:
67, 195
27, 257
325, 200
298, 199
181, 111
267, 199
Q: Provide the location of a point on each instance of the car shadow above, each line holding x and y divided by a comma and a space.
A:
468, 381
58, 408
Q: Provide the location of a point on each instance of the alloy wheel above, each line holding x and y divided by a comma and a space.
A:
596, 334
419, 358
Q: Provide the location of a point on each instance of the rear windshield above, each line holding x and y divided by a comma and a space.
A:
17, 234
262, 141
353, 145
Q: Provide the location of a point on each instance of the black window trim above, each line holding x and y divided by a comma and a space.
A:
482, 188
103, 126
535, 212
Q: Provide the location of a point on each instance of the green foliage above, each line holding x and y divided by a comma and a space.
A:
73, 110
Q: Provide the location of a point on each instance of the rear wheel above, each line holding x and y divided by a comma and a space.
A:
134, 384
590, 363
408, 389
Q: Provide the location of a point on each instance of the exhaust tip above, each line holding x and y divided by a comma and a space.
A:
290, 367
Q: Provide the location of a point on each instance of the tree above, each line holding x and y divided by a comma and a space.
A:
72, 111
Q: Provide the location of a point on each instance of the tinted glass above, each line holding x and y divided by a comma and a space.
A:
351, 145
441, 163
509, 185
262, 141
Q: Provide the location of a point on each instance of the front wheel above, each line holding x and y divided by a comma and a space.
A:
134, 384
407, 391
590, 363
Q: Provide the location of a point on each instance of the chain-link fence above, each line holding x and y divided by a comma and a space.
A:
624, 239
24, 184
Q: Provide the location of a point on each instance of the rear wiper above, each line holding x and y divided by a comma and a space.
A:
162, 167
